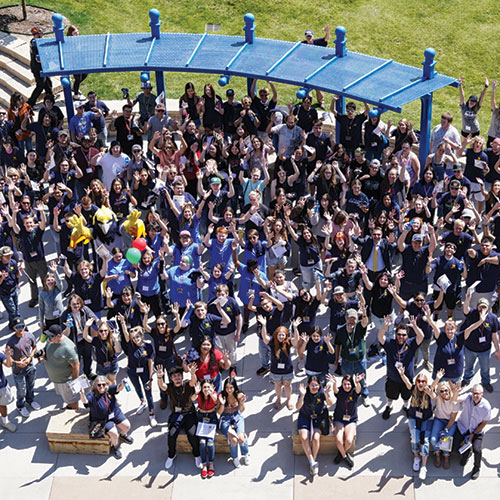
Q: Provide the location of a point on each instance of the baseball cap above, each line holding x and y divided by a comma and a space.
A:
36, 30
375, 163
229, 92
373, 113
467, 213
63, 132
86, 137
18, 321
136, 147
215, 180
160, 107
309, 33
184, 233
455, 183
338, 289
417, 237
458, 166
6, 251
146, 85
79, 104
53, 331
351, 313
483, 301
473, 97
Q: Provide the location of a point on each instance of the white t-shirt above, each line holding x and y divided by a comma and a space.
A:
113, 167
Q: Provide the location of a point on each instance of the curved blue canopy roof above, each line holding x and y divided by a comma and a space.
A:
380, 82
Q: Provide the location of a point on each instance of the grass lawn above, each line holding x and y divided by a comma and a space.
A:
464, 34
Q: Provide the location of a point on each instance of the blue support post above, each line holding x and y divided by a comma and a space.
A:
249, 28
68, 97
249, 86
340, 108
154, 15
340, 42
429, 63
160, 85
425, 128
58, 27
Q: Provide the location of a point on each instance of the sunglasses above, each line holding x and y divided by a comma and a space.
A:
19, 327
444, 391
401, 335
419, 300
160, 324
421, 381
100, 385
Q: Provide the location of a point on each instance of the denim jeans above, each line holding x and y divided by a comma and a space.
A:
308, 278
136, 380
484, 364
438, 424
417, 446
353, 367
11, 304
207, 446
237, 422
25, 384
264, 353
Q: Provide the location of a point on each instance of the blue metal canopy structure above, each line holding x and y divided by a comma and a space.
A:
385, 84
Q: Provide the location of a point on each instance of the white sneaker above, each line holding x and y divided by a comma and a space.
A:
416, 464
142, 407
301, 364
423, 473
24, 412
169, 462
314, 469
197, 461
9, 426
1, 314
152, 421
34, 405
246, 459
236, 462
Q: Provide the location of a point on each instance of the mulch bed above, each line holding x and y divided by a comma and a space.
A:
11, 19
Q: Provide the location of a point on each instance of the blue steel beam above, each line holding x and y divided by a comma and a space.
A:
150, 51
198, 45
238, 54
106, 48
321, 68
283, 57
367, 75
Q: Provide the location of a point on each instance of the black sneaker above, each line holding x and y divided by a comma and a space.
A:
262, 370
465, 458
487, 387
406, 410
126, 438
245, 328
348, 460
338, 458
364, 402
232, 371
494, 310
387, 413
116, 452
33, 303
465, 383
475, 473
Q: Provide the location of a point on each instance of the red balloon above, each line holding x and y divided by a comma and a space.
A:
140, 244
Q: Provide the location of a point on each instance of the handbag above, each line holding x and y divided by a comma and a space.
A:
97, 429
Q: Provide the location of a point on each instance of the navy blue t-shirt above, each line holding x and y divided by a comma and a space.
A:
138, 357
314, 404
414, 310
347, 406
480, 339
449, 355
414, 264
403, 354
89, 290
232, 309
102, 353
282, 364
337, 312
103, 405
488, 274
198, 328
463, 242
317, 356
31, 244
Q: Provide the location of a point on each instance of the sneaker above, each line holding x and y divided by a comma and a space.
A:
349, 461
1, 314
262, 370
387, 413
204, 473
169, 462
338, 458
301, 364
142, 407
246, 459
364, 402
475, 473
197, 462
245, 328
232, 371
423, 473
406, 410
24, 412
34, 405
465, 458
126, 438
163, 404
33, 303
152, 421
313, 468
487, 387
116, 452
465, 383
236, 462
416, 464
211, 472
9, 426
428, 366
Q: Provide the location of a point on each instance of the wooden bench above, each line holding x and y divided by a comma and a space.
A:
328, 444
68, 432
221, 444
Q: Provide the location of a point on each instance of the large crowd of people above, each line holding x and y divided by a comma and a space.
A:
248, 218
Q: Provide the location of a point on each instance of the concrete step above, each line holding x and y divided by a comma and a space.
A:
16, 68
16, 47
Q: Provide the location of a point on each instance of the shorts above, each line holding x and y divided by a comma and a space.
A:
320, 423
6, 396
450, 299
394, 389
344, 424
117, 419
274, 261
475, 192
65, 392
281, 377
105, 370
